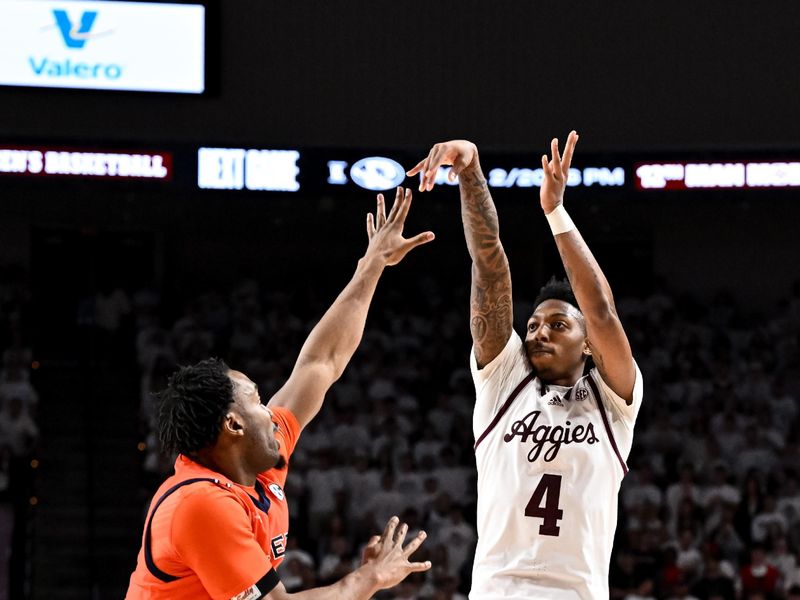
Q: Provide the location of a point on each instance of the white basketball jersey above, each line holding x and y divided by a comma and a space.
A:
549, 470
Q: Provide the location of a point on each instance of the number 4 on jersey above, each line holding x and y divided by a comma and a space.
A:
549, 489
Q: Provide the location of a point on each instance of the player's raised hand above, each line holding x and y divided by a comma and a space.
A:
388, 559
385, 232
556, 173
458, 153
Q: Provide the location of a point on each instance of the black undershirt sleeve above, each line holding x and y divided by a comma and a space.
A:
260, 589
267, 583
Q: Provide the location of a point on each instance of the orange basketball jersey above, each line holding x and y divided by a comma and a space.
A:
208, 537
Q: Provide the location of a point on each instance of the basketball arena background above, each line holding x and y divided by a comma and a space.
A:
198, 187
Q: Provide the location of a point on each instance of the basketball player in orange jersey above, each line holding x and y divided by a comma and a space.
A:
551, 442
218, 527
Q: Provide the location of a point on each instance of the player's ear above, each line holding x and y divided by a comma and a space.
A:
587, 349
233, 424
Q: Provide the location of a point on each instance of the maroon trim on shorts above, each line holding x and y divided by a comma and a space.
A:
606, 424
505, 407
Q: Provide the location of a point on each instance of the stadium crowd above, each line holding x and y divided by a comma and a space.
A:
709, 510
19, 433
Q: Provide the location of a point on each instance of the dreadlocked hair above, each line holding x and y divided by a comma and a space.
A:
192, 407
556, 289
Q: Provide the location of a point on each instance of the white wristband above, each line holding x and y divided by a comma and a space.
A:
559, 221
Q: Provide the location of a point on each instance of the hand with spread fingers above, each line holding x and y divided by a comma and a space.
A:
388, 559
385, 232
461, 154
556, 174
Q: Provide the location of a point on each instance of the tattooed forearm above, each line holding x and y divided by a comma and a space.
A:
491, 314
491, 309
481, 226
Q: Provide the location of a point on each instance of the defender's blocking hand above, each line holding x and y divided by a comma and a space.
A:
385, 232
387, 557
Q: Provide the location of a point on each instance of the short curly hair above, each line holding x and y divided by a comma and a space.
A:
193, 406
560, 289
556, 289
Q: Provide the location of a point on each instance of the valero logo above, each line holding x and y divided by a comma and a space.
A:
75, 34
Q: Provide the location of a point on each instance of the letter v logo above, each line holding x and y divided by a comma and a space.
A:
75, 36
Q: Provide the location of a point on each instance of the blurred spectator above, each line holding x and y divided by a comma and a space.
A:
759, 577
17, 429
297, 569
644, 591
680, 491
751, 504
782, 559
769, 524
688, 558
453, 477
15, 382
459, 537
714, 583
111, 306
323, 483
640, 488
624, 576
337, 562
789, 502
388, 501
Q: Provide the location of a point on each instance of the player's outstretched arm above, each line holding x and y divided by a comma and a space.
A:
385, 565
607, 340
491, 313
332, 342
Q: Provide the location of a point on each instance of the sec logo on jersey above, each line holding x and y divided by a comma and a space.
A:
277, 491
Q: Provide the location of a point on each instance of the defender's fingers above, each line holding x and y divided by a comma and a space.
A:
398, 204
388, 532
373, 541
418, 240
380, 212
569, 149
370, 226
412, 546
419, 566
403, 211
400, 534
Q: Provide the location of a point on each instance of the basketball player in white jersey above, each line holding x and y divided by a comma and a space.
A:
550, 442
